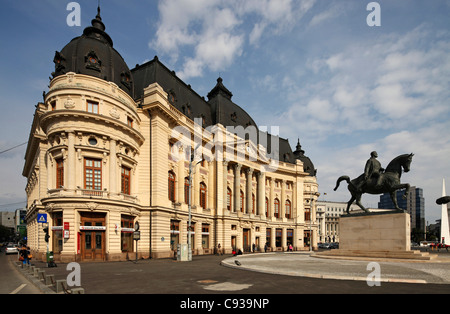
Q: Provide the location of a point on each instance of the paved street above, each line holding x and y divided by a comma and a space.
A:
11, 280
206, 275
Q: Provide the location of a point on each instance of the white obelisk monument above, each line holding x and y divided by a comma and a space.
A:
445, 232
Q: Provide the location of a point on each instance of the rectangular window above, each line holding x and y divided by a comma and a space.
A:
125, 180
92, 174
59, 173
57, 233
174, 234
130, 122
92, 106
205, 236
307, 214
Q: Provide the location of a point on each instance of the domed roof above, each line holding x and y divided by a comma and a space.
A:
93, 54
225, 111
308, 166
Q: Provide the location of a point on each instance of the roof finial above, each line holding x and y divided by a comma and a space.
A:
97, 22
98, 11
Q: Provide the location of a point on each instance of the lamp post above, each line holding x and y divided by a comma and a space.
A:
190, 201
310, 218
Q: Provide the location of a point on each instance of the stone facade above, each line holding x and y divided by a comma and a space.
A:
99, 161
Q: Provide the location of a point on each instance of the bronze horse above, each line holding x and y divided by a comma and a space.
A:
388, 183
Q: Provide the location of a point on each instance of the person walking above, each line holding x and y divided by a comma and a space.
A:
24, 255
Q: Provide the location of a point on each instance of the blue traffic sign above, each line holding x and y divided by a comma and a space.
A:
42, 218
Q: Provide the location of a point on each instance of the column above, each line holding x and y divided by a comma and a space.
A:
237, 187
272, 197
210, 188
50, 166
283, 199
180, 175
225, 186
112, 166
261, 193
195, 189
248, 192
71, 161
273, 237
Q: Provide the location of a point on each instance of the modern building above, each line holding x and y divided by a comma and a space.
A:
110, 149
7, 220
414, 204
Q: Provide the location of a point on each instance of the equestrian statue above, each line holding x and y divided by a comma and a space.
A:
376, 180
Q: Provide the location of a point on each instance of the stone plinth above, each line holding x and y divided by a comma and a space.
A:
375, 232
384, 235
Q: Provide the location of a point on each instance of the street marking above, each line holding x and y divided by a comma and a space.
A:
19, 288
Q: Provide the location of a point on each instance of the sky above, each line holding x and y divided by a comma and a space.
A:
318, 69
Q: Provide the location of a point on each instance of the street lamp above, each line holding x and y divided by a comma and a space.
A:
310, 218
190, 201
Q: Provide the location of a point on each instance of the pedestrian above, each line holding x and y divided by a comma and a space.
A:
24, 255
29, 255
219, 249
265, 248
254, 247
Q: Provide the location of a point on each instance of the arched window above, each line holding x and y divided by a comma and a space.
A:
267, 207
229, 199
276, 208
288, 209
242, 201
203, 195
171, 186
186, 190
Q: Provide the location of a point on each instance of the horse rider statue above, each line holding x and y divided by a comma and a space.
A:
372, 169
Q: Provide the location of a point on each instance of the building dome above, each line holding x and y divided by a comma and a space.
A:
93, 54
308, 165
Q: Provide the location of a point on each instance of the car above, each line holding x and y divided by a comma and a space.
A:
334, 245
324, 245
11, 249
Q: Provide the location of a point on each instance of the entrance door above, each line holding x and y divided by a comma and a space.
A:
93, 237
246, 240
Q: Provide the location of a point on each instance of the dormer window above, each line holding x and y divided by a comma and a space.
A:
125, 79
59, 61
172, 98
92, 61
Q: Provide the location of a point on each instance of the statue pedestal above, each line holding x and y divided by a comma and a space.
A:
375, 235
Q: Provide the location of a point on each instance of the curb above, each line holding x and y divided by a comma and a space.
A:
36, 282
230, 264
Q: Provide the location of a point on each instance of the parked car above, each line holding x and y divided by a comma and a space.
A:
334, 245
11, 249
324, 245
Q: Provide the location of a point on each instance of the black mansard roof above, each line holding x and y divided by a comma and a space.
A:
93, 54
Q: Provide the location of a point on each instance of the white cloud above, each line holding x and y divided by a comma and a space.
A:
372, 85
215, 32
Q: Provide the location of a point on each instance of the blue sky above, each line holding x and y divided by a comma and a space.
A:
312, 67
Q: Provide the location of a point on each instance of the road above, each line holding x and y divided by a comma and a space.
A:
12, 281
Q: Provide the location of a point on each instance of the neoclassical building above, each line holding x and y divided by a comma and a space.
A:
113, 149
